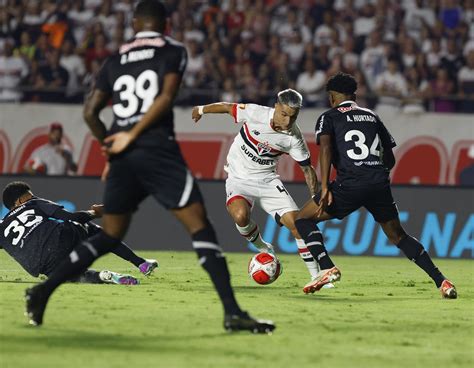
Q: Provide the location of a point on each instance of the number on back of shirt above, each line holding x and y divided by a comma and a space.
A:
361, 150
23, 221
133, 91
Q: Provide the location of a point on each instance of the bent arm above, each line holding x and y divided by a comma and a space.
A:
311, 178
214, 108
80, 216
95, 102
218, 108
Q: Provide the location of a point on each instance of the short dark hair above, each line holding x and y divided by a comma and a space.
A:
342, 83
151, 9
13, 191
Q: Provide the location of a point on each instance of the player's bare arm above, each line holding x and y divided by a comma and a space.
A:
163, 102
94, 104
325, 156
310, 178
214, 108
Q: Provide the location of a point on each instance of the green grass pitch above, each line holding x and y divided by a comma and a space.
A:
383, 313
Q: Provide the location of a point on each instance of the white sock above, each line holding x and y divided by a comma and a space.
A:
307, 257
251, 232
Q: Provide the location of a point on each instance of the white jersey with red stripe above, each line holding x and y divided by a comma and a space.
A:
256, 149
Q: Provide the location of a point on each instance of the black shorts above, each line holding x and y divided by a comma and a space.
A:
158, 171
60, 244
377, 199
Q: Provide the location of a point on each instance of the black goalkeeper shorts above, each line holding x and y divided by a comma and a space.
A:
377, 199
157, 171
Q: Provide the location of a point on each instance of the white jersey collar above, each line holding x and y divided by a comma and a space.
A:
147, 34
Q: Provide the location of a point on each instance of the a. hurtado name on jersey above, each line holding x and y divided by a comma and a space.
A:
133, 56
359, 118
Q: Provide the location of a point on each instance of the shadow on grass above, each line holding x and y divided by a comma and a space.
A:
57, 338
356, 299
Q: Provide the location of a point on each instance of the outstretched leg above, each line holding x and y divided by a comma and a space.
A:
415, 252
146, 266
115, 227
306, 224
210, 256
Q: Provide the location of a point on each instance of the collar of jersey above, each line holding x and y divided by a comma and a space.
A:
147, 34
346, 102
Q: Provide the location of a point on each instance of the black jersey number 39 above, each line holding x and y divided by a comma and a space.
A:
133, 91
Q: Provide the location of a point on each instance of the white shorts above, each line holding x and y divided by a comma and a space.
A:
270, 194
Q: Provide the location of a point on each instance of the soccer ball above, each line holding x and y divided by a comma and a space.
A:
264, 268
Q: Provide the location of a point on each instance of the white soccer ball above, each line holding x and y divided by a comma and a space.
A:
264, 268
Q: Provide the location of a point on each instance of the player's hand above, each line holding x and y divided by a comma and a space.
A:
195, 114
98, 209
105, 172
117, 142
324, 201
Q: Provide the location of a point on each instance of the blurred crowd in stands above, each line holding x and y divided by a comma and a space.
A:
413, 55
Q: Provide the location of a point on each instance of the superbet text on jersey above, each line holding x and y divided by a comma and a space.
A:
134, 78
257, 148
358, 136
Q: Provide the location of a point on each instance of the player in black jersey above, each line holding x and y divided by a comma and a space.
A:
39, 234
355, 141
143, 79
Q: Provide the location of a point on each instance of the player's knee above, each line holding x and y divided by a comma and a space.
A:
396, 235
241, 217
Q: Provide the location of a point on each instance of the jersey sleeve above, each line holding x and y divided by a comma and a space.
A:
299, 150
48, 207
102, 79
385, 137
176, 60
324, 126
242, 112
81, 217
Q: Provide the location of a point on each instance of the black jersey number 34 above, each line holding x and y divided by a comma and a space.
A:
362, 150
134, 92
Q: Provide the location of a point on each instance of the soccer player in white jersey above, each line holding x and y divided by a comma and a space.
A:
266, 134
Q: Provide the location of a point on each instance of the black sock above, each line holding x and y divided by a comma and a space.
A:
213, 261
124, 252
79, 259
313, 238
416, 253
